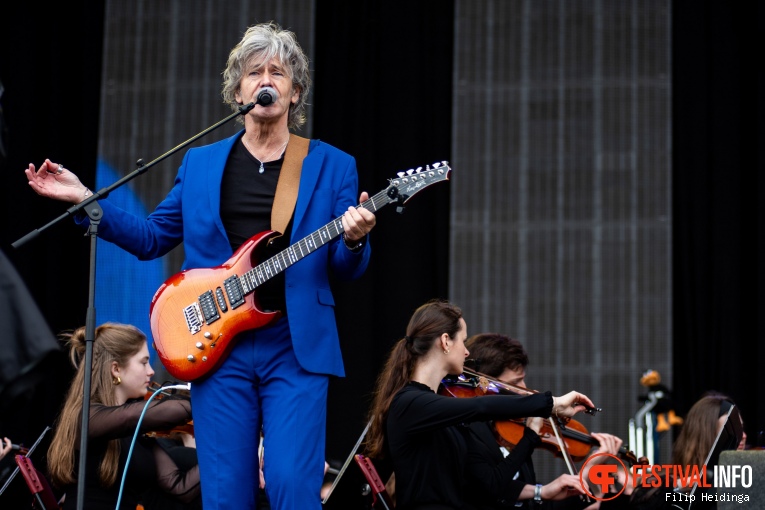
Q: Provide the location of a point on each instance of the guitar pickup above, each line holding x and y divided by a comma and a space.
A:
221, 300
234, 291
209, 310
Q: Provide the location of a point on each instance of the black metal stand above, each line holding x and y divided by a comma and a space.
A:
94, 212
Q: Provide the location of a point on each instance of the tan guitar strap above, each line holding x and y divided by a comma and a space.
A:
289, 181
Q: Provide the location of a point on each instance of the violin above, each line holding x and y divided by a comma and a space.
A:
578, 440
185, 428
575, 438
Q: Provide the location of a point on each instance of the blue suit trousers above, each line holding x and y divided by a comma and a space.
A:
261, 383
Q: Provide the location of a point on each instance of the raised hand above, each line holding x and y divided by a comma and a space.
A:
52, 180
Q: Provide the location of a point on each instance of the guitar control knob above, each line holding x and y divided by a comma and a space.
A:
208, 335
199, 345
191, 357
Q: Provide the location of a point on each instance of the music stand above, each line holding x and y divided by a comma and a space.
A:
29, 453
346, 463
728, 438
380, 497
37, 483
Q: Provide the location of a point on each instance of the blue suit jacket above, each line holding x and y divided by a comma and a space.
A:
191, 214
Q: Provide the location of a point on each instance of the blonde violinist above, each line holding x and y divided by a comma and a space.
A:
121, 374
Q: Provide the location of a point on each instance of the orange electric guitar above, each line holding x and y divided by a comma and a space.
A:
196, 313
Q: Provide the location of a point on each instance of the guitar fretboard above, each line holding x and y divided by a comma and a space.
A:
408, 184
271, 267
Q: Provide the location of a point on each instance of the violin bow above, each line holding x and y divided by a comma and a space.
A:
565, 454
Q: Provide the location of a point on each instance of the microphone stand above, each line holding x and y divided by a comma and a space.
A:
94, 212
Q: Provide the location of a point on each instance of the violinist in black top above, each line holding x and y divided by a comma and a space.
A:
121, 374
419, 430
504, 359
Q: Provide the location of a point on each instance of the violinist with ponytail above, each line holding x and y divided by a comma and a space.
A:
420, 431
121, 374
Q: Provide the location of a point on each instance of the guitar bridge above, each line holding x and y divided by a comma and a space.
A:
193, 316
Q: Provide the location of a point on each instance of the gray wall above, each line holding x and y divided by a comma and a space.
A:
561, 209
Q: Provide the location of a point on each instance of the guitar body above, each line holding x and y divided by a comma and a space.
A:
188, 354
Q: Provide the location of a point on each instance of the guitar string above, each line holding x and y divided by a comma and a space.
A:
303, 246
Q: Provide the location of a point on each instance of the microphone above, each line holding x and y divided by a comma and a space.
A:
266, 96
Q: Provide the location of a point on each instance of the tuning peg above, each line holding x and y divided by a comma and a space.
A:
436, 164
400, 174
419, 169
410, 171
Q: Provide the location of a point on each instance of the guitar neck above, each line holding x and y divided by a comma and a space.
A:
275, 265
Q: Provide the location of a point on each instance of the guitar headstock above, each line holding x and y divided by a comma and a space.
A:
408, 183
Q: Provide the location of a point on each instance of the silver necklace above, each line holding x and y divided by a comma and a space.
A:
267, 158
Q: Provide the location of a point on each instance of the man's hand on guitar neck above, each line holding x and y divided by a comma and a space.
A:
357, 222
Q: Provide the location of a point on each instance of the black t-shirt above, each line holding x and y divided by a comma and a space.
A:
246, 199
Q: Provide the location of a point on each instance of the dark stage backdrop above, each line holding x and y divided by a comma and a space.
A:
719, 205
50, 70
97, 87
